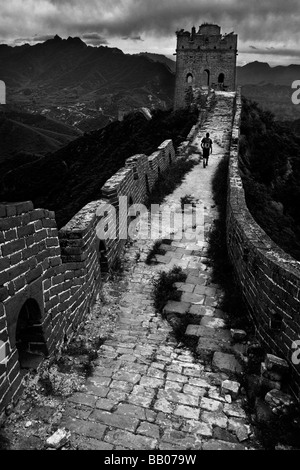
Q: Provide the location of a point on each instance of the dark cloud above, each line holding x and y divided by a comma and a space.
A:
265, 23
253, 47
94, 39
43, 38
133, 38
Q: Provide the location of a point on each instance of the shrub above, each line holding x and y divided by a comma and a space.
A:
164, 288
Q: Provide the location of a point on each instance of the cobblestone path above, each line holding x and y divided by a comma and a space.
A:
147, 391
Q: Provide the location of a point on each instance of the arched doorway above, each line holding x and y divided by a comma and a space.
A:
221, 79
30, 341
103, 257
189, 78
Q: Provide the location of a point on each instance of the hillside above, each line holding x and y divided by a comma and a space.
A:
68, 179
260, 73
67, 80
171, 64
270, 87
270, 168
23, 133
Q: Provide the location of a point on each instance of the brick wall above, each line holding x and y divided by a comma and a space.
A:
53, 276
269, 278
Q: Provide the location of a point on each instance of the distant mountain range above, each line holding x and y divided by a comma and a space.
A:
271, 87
260, 73
67, 80
171, 64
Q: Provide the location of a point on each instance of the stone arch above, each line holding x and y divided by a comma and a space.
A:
103, 261
30, 340
189, 78
2, 92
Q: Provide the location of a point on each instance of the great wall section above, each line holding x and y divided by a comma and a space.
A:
56, 275
146, 390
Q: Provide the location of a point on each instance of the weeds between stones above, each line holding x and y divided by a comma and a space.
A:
156, 250
164, 288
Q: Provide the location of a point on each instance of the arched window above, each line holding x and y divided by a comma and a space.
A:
30, 341
189, 78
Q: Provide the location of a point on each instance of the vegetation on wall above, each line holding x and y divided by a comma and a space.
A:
66, 180
270, 169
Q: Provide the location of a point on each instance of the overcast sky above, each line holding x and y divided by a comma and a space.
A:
268, 29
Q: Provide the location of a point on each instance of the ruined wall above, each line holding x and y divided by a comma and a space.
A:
268, 277
201, 58
49, 278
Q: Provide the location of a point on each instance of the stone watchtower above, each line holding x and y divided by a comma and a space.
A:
205, 59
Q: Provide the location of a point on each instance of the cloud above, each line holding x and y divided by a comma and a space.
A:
133, 38
94, 39
273, 51
253, 47
268, 21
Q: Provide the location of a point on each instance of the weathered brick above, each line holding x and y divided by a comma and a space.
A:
25, 231
12, 247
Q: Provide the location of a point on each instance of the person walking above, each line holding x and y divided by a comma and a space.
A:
206, 145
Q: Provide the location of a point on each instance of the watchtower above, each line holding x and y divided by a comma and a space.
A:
205, 59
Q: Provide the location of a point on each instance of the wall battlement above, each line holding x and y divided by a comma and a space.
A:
49, 278
268, 277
